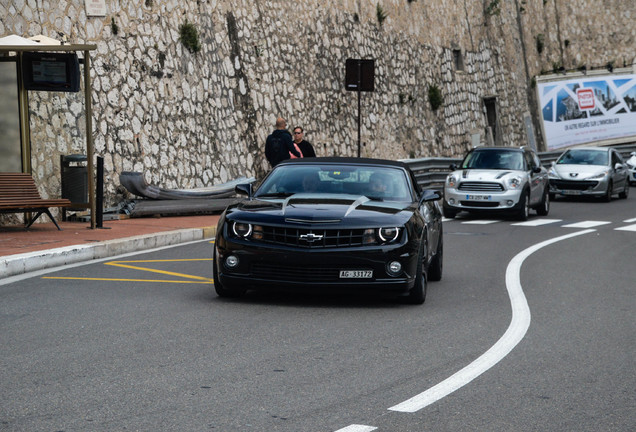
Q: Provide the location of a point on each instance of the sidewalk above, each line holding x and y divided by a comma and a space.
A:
44, 246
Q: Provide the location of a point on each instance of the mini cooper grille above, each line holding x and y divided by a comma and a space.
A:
573, 184
485, 204
480, 187
312, 238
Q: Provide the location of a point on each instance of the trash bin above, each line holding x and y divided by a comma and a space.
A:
75, 179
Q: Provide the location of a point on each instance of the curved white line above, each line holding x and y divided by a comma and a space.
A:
514, 334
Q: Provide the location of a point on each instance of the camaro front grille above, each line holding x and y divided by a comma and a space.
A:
480, 187
312, 238
573, 184
295, 273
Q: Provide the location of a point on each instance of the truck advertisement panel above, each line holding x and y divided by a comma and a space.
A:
588, 109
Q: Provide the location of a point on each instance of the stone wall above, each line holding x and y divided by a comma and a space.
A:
196, 119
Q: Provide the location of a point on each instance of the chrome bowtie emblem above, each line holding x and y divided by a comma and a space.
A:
311, 237
574, 174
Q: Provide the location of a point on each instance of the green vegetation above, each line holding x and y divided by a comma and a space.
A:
493, 8
114, 27
189, 37
381, 14
540, 42
435, 97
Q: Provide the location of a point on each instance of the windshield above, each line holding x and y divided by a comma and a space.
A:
493, 159
374, 182
584, 157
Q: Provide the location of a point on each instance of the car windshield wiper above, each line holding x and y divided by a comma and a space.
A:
275, 195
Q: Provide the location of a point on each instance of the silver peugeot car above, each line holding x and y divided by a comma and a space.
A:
502, 179
590, 171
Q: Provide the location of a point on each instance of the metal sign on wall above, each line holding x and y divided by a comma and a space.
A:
588, 109
95, 7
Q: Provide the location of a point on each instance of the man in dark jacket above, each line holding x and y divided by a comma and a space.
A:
305, 146
279, 144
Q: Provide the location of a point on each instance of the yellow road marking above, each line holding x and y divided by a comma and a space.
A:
126, 264
207, 281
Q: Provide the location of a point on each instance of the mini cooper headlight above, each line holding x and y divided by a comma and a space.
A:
451, 181
241, 229
514, 182
388, 235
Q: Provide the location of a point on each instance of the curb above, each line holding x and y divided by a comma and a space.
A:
12, 265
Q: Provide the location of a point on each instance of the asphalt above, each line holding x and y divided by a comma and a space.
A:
43, 246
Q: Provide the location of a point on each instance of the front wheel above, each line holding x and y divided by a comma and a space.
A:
544, 207
417, 295
523, 207
608, 194
449, 213
435, 269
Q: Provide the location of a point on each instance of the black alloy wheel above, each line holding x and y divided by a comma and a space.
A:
544, 207
417, 295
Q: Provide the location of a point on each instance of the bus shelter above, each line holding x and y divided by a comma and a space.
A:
16, 48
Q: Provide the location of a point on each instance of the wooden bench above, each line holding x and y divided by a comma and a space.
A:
18, 193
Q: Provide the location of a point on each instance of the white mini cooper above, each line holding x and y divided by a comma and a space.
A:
501, 179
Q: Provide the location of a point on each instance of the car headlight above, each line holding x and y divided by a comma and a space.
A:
382, 235
514, 182
388, 235
600, 175
241, 229
451, 181
553, 174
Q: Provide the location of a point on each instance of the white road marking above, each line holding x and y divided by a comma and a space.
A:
480, 222
357, 428
626, 228
630, 220
586, 224
514, 334
537, 222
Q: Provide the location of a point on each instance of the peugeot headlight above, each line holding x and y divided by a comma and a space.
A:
514, 182
241, 229
600, 175
553, 174
451, 180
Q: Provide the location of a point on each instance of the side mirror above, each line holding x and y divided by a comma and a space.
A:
430, 195
453, 167
536, 169
244, 189
618, 166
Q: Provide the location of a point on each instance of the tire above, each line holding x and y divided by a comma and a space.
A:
222, 291
417, 295
544, 206
522, 211
625, 193
437, 263
449, 212
608, 194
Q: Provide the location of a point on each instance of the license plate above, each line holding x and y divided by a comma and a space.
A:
356, 274
479, 197
571, 192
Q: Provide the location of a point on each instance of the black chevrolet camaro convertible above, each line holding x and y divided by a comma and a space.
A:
339, 224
